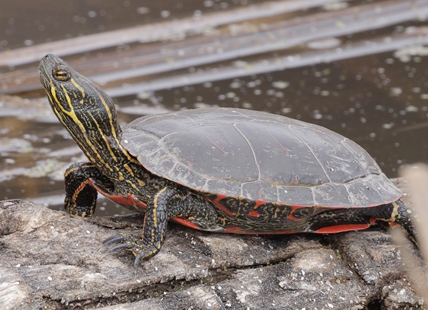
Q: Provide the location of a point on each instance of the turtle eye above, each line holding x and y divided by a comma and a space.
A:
61, 75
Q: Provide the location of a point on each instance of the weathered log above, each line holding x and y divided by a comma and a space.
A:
52, 260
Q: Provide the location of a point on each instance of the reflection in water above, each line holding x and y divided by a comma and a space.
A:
354, 69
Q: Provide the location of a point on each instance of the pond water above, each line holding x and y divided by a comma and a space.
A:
358, 68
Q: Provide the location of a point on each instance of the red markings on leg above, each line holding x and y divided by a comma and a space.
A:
128, 200
186, 223
341, 228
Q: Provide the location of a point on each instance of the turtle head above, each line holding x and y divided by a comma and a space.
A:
86, 111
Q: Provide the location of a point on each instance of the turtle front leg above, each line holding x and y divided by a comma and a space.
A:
154, 228
168, 203
80, 194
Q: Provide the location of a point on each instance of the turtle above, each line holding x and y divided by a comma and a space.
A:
227, 170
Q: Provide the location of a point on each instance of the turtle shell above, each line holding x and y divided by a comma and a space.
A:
258, 156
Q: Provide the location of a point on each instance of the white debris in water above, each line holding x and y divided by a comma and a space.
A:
165, 13
247, 105
396, 91
28, 42
235, 84
143, 10
280, 84
412, 108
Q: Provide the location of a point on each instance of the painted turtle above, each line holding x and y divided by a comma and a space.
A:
219, 169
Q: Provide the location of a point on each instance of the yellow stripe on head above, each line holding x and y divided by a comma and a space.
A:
53, 95
82, 91
64, 90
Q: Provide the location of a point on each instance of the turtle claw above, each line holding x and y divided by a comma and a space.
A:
138, 259
117, 247
114, 239
132, 244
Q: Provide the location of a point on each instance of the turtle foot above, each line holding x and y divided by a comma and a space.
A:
133, 244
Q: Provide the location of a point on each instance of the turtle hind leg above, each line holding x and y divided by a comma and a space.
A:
348, 219
395, 214
341, 220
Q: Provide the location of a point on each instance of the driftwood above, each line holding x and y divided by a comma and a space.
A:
52, 260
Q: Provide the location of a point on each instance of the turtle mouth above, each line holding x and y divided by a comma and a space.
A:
45, 69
